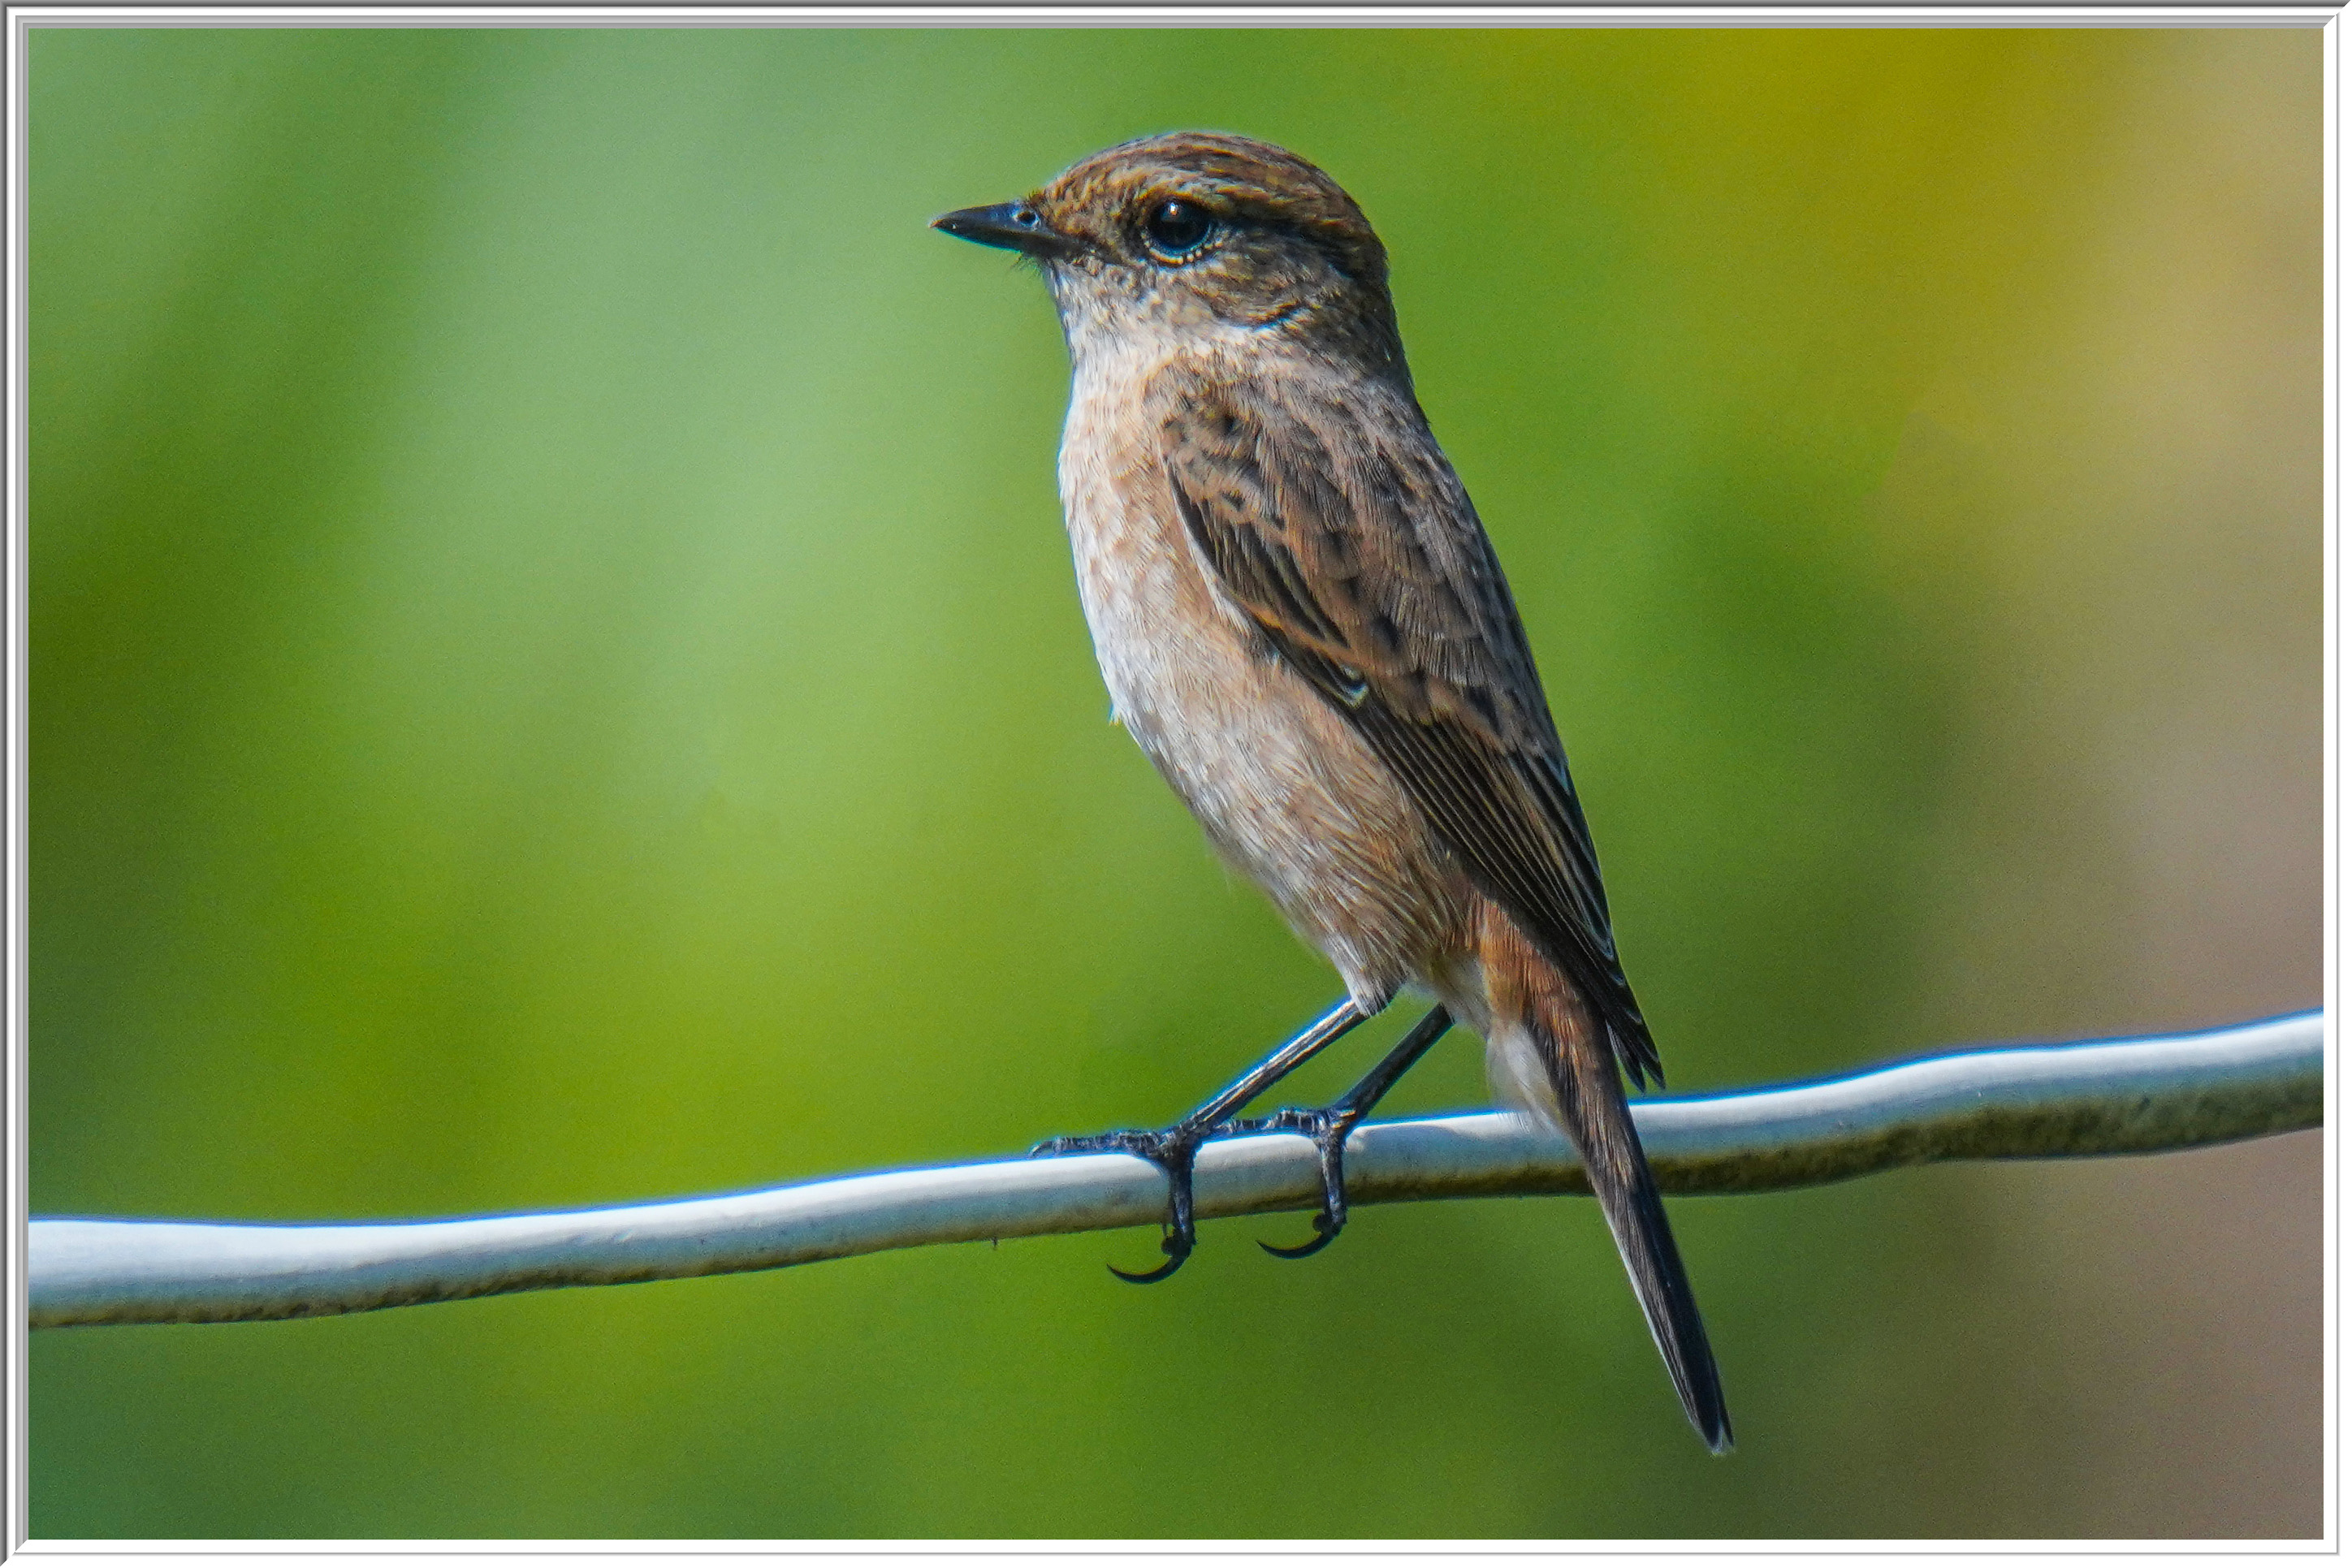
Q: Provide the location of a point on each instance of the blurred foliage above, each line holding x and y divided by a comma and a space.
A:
555, 679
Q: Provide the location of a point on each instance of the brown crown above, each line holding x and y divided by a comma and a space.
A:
1226, 172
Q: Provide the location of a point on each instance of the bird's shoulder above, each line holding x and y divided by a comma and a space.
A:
1331, 514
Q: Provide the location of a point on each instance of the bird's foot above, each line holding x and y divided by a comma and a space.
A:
1172, 1151
1327, 1127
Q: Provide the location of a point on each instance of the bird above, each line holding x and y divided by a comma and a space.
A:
1303, 623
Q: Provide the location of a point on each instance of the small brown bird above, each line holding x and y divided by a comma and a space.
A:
1302, 622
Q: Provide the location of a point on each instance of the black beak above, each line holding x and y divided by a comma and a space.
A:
1008, 226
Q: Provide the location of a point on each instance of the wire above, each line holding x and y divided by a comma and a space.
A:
2033, 1101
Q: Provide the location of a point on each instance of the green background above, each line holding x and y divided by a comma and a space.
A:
555, 679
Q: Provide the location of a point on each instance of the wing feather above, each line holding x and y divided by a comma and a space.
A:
1332, 521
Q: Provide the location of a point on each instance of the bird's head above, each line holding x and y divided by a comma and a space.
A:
1195, 237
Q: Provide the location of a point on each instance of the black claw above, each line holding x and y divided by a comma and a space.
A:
1324, 1233
1178, 1249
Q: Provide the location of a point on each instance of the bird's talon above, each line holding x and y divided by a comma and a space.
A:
1326, 1230
1178, 1249
1305, 1248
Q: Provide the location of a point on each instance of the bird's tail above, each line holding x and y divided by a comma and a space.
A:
1578, 1059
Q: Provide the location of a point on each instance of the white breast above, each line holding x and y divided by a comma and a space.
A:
1135, 578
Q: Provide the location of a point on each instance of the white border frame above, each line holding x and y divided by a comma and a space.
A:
13, 1498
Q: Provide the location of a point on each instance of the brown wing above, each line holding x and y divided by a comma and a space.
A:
1331, 518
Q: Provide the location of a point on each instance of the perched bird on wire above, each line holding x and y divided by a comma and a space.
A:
1303, 624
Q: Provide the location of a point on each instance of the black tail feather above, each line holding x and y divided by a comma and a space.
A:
1593, 1102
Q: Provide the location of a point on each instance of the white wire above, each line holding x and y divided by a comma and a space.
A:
2114, 1097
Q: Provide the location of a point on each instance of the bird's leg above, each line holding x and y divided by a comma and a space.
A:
1330, 1126
1174, 1150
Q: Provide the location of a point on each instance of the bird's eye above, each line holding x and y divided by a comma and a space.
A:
1176, 229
